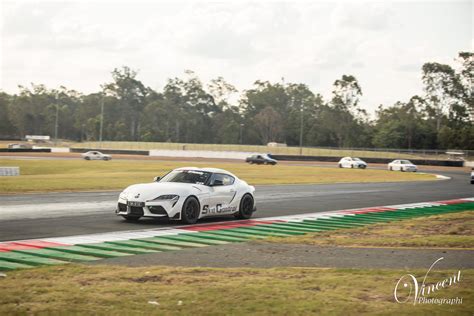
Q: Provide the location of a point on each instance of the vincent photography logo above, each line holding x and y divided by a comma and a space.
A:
408, 289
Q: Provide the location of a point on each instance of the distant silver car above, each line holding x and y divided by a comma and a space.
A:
472, 176
95, 155
402, 165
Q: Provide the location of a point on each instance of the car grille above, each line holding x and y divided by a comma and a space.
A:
122, 208
158, 210
134, 210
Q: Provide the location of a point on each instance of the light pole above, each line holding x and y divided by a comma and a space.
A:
301, 130
240, 132
56, 120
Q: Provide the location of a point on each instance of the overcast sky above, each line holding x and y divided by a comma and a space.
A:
384, 44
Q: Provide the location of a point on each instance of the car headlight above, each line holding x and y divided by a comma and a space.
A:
123, 196
167, 197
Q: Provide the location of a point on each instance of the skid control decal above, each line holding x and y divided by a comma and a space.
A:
21, 254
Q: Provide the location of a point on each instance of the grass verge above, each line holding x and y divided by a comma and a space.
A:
454, 230
211, 291
80, 175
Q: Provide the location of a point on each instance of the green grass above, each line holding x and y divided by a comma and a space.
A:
79, 175
444, 231
110, 290
248, 148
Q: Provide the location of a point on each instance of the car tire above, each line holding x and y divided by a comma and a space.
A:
340, 166
352, 166
190, 211
274, 163
390, 169
87, 158
401, 169
130, 218
245, 207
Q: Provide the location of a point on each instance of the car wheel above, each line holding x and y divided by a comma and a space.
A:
87, 158
401, 169
390, 169
352, 166
190, 211
340, 166
274, 163
130, 218
245, 208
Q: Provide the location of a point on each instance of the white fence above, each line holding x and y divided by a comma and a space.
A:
9, 171
54, 149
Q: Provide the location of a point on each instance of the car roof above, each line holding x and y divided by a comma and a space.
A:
212, 170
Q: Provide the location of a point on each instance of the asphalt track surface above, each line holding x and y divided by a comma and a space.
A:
30, 216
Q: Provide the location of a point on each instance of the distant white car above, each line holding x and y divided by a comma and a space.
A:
472, 176
402, 165
188, 194
19, 146
95, 155
349, 162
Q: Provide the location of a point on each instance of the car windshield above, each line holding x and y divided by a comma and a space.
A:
187, 176
357, 159
405, 162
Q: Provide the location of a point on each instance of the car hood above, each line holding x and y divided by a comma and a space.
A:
149, 191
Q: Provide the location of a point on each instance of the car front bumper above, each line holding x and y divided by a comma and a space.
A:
162, 209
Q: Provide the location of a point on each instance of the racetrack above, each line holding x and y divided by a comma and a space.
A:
64, 214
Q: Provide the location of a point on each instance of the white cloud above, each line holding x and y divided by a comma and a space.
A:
384, 44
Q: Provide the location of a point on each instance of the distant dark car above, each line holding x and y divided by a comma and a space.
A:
260, 159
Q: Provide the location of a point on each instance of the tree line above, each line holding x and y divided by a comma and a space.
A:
190, 111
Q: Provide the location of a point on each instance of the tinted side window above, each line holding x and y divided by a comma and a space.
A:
226, 179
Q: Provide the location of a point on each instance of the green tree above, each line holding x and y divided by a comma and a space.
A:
130, 94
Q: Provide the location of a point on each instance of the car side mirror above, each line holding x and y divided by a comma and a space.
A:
217, 183
156, 179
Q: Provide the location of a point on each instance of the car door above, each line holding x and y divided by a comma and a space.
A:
346, 163
222, 193
399, 165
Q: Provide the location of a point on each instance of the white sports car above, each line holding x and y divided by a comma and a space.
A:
402, 165
348, 162
188, 194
